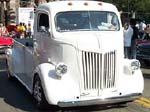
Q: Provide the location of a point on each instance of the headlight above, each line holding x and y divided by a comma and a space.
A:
131, 65
135, 65
61, 69
8, 52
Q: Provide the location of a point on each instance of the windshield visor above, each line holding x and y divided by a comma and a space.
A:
86, 20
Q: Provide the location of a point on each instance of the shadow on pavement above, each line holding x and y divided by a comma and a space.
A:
13, 93
146, 76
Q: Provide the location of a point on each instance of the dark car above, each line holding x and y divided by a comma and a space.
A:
143, 53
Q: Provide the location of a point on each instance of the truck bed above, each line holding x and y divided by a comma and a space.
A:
28, 42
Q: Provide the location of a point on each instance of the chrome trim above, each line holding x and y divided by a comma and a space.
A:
98, 101
99, 70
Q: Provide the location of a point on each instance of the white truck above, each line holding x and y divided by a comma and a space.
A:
76, 56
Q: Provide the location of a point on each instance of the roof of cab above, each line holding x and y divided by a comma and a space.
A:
76, 5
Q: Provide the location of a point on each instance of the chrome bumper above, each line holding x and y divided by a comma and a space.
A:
112, 100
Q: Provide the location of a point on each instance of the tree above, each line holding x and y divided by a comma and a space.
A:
138, 8
131, 5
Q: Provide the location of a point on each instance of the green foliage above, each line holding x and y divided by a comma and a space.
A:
131, 5
134, 8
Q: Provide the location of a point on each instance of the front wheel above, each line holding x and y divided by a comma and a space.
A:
38, 94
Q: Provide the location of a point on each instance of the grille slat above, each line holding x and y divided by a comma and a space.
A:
96, 69
85, 71
99, 70
91, 70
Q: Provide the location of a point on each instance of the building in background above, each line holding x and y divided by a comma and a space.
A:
8, 8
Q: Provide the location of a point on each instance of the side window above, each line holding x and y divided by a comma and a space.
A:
43, 23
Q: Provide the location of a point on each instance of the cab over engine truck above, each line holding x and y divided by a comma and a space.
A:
76, 56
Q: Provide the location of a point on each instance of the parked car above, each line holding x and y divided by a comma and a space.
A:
143, 53
5, 42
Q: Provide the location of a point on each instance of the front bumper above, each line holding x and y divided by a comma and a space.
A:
97, 101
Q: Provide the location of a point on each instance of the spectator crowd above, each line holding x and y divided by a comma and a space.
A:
16, 31
133, 31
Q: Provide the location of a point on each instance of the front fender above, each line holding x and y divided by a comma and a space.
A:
131, 82
56, 88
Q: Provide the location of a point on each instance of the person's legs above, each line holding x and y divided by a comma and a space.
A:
144, 36
127, 52
133, 49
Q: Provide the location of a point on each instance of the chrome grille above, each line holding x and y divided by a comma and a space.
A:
99, 70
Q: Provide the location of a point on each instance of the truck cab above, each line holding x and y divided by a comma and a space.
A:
76, 57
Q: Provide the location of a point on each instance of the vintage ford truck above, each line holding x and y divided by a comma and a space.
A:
76, 56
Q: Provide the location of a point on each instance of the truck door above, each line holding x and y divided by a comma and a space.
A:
18, 59
41, 37
29, 63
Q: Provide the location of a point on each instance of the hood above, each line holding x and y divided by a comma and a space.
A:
94, 41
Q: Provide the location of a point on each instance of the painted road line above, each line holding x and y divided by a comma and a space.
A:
143, 101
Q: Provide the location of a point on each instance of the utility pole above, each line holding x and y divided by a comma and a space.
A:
2, 15
7, 11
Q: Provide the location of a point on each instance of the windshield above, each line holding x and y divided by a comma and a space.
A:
86, 20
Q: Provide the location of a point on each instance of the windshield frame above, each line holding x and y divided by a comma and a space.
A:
88, 15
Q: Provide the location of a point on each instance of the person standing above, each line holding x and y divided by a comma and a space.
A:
21, 30
128, 33
147, 30
29, 32
134, 38
141, 29
3, 30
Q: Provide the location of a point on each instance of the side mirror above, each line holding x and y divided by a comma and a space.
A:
43, 29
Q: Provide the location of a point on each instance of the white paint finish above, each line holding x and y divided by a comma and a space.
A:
68, 48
